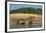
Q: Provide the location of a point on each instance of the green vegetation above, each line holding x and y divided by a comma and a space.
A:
27, 10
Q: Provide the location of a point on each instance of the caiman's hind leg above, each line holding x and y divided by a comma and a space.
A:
31, 20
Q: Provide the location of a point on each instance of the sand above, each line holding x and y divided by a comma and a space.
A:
18, 15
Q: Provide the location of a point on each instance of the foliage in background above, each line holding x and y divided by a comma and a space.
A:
27, 10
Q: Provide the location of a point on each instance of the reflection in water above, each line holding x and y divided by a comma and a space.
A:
33, 25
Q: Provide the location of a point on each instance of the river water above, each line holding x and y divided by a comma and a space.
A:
35, 24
